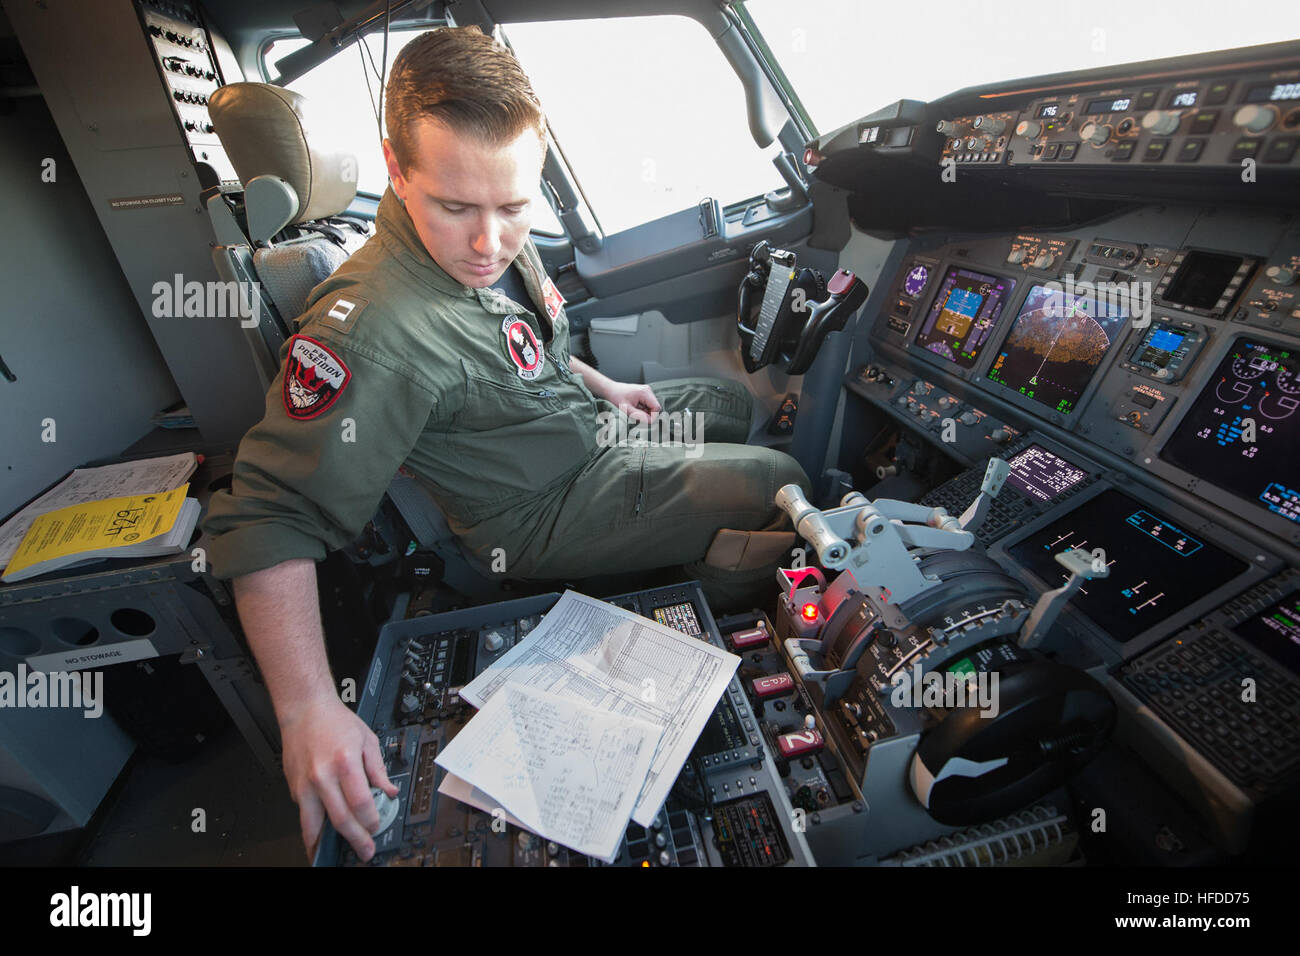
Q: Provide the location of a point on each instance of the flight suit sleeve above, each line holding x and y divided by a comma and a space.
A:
310, 475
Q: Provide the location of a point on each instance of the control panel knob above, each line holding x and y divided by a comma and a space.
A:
1254, 119
493, 642
661, 840
1029, 129
989, 124
1161, 122
1000, 435
1280, 275
1097, 134
1044, 260
665, 858
410, 703
945, 127
1016, 256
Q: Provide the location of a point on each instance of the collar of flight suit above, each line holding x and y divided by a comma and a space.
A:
397, 232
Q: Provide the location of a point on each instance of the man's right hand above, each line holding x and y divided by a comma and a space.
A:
331, 760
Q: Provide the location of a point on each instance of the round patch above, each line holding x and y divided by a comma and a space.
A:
522, 348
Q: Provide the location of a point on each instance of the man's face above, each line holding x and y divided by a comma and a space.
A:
470, 202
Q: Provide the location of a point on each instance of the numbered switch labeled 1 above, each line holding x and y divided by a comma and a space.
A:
799, 743
772, 686
754, 637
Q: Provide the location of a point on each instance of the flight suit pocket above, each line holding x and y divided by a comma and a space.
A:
515, 437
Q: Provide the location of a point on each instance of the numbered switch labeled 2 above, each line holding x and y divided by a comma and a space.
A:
799, 743
773, 686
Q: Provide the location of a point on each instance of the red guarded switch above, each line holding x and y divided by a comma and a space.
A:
741, 640
774, 685
799, 743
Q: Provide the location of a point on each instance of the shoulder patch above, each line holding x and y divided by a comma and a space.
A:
344, 311
551, 296
314, 378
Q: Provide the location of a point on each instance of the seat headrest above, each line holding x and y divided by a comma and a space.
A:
286, 153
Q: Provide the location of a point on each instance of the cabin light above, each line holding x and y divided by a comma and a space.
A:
809, 612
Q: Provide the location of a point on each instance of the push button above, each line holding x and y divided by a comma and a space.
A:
1191, 151
1281, 149
1155, 151
1245, 148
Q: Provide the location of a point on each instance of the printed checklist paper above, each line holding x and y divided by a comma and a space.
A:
592, 653
565, 770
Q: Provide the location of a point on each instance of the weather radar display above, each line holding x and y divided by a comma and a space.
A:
1055, 345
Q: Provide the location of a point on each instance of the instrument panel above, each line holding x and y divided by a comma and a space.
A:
1197, 120
1180, 362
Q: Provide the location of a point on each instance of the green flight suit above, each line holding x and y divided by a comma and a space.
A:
396, 363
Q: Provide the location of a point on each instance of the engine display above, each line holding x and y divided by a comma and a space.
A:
965, 311
1241, 432
1056, 344
1156, 567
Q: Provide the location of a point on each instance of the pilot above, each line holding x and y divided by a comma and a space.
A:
442, 346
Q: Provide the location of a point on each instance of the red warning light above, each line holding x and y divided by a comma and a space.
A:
809, 612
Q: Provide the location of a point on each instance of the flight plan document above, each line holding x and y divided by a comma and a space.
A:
615, 660
565, 770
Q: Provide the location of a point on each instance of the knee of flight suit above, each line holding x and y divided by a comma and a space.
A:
790, 472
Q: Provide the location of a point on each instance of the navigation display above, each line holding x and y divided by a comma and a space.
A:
1037, 473
1156, 567
1242, 433
1055, 345
965, 311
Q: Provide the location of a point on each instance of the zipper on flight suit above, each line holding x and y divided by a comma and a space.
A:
640, 487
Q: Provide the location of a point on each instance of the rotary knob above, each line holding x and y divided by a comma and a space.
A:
945, 127
1044, 260
1029, 129
493, 642
1097, 134
1016, 256
989, 124
1254, 119
1280, 275
1161, 122
410, 703
1000, 435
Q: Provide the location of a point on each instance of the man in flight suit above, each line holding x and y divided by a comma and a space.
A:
426, 349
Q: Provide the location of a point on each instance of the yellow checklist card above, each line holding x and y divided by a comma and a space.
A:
97, 526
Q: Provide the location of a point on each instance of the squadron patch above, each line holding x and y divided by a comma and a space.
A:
522, 347
313, 379
552, 298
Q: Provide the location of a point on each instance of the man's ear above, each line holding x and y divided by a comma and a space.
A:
394, 170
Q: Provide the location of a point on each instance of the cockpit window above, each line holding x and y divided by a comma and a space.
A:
350, 83
649, 115
846, 58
